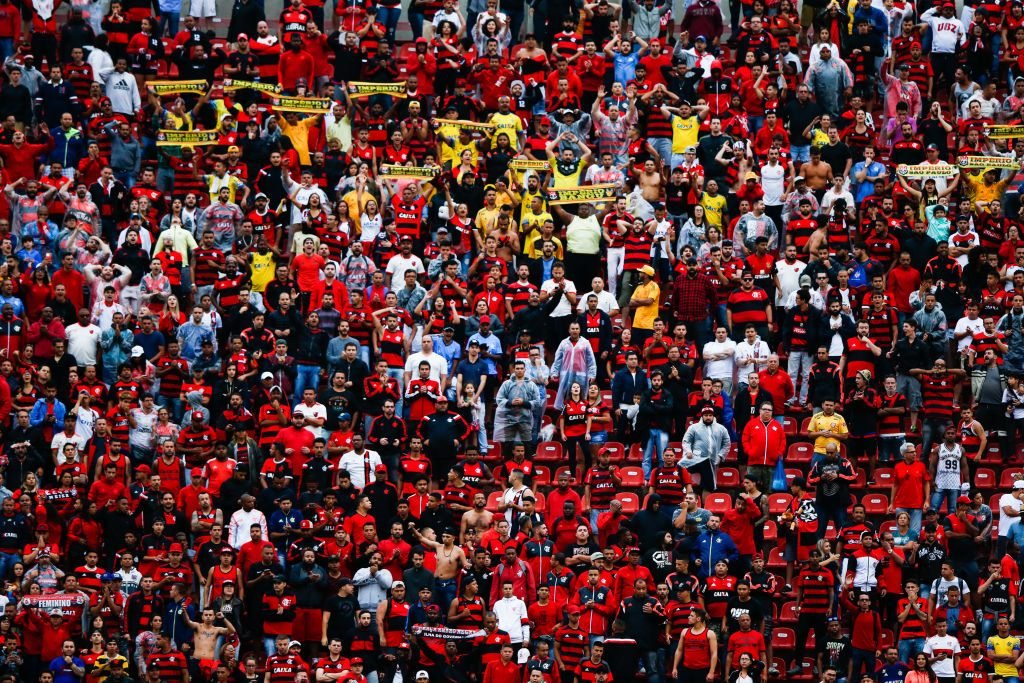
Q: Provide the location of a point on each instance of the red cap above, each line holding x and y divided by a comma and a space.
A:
144, 468
575, 610
758, 556
381, 468
716, 65
632, 549
175, 548
197, 471
356, 660
196, 415
916, 44
963, 500
305, 524
241, 36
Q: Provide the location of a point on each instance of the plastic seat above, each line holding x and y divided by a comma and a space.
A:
541, 475
800, 453
778, 503
790, 427
632, 476
771, 531
718, 503
542, 501
630, 502
875, 503
788, 614
1006, 477
493, 500
784, 639
985, 479
549, 452
728, 478
884, 478
635, 454
776, 561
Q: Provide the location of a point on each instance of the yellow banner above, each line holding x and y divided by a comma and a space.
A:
926, 170
361, 89
980, 161
468, 125
303, 105
231, 84
418, 172
186, 138
587, 193
176, 87
1000, 132
529, 165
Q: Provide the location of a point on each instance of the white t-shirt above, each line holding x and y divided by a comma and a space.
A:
438, 365
397, 266
720, 369
82, 342
563, 308
142, 434
605, 301
947, 645
946, 35
789, 278
1007, 500
773, 182
317, 410
964, 324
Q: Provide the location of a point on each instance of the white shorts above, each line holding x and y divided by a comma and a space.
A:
203, 8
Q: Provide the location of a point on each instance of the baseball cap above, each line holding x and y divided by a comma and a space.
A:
1018, 484
137, 351
356, 660
267, 375
108, 577
197, 471
261, 196
242, 36
963, 500
707, 410
381, 468
306, 524
279, 578
647, 270
144, 468
575, 610
196, 415
233, 148
422, 674
175, 548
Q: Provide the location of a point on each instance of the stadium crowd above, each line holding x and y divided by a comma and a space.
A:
567, 342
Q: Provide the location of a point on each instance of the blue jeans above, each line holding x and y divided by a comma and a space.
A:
398, 375
947, 495
268, 645
863, 660
656, 441
915, 518
416, 20
908, 647
663, 146
6, 47
800, 153
175, 406
389, 17
7, 561
306, 377
754, 123
169, 23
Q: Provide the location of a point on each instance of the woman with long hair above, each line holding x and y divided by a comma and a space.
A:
35, 291
599, 420
696, 657
921, 672
171, 318
572, 425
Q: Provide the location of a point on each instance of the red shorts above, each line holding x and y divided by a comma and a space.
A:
308, 624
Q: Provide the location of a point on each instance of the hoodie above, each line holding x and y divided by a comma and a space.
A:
651, 523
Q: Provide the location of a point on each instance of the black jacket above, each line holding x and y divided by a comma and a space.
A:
656, 413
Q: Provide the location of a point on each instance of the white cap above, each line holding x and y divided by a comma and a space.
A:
137, 351
267, 375
422, 674
524, 655
1018, 484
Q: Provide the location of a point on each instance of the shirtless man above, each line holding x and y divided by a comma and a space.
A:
816, 172
450, 561
205, 641
651, 182
478, 517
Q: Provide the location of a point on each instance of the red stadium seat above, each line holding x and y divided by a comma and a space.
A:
783, 639
541, 475
1006, 477
985, 479
493, 500
775, 559
799, 453
630, 502
549, 452
790, 426
632, 476
728, 478
771, 531
635, 454
717, 503
778, 503
788, 613
542, 501
875, 503
884, 477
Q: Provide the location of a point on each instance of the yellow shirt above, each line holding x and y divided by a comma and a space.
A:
527, 201
532, 247
1004, 646
299, 135
485, 219
262, 266
507, 123
714, 209
684, 133
978, 191
532, 221
560, 180
833, 423
214, 185
644, 316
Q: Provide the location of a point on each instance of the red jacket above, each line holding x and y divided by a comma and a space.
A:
763, 444
21, 161
499, 672
780, 386
740, 527
523, 581
293, 66
424, 70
